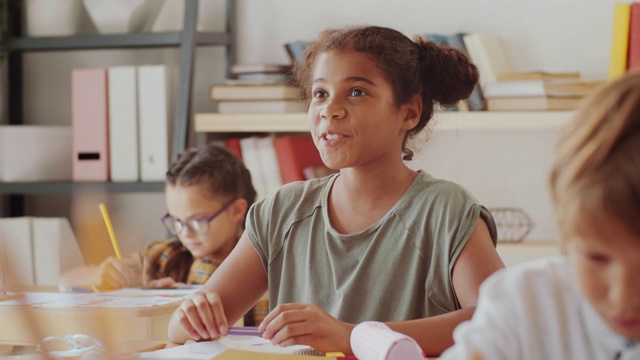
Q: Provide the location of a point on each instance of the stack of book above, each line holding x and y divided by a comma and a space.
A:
502, 89
537, 91
257, 88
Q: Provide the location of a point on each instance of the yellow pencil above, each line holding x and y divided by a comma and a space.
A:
112, 235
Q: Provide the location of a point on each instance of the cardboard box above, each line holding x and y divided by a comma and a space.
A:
35, 153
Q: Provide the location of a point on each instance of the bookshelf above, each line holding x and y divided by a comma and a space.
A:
472, 120
187, 40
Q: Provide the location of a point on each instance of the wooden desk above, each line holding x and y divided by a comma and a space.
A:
27, 325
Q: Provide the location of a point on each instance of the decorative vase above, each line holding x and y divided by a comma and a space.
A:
123, 16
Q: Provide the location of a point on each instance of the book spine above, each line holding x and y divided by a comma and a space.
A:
634, 37
619, 40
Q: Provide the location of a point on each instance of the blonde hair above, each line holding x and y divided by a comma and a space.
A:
596, 172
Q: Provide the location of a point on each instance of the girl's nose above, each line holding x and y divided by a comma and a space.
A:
333, 109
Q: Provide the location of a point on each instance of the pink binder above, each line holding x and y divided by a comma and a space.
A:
89, 111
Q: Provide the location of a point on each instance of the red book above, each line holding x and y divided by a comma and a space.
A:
295, 153
233, 144
633, 61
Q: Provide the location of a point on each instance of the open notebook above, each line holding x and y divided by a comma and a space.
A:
227, 345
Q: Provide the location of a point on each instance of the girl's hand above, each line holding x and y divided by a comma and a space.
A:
201, 316
115, 274
306, 324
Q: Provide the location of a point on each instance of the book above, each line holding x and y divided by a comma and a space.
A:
233, 144
252, 160
487, 54
238, 69
295, 153
557, 87
254, 92
123, 124
633, 56
153, 122
619, 40
475, 102
90, 122
269, 163
537, 75
261, 106
532, 103
259, 79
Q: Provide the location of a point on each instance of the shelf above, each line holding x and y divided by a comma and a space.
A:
280, 122
472, 120
63, 187
137, 40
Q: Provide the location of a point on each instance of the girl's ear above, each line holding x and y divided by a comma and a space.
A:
412, 112
239, 209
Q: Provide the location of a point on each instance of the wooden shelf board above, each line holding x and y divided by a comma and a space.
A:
473, 120
136, 40
66, 187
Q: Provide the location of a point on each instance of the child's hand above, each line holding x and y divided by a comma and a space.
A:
115, 274
306, 324
201, 316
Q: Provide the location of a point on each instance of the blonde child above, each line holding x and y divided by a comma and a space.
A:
208, 191
585, 304
377, 241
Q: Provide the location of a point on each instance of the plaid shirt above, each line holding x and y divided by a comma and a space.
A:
159, 254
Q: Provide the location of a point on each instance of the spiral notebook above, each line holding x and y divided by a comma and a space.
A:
228, 345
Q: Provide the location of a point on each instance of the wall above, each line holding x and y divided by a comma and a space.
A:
502, 168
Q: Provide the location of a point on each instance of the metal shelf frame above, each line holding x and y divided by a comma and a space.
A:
187, 40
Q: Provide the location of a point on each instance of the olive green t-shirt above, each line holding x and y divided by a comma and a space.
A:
398, 269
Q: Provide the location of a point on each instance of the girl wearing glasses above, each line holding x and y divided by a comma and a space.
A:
208, 191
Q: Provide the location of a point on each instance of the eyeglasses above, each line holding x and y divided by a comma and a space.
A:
197, 225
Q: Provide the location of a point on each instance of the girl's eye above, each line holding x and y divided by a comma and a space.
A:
358, 92
319, 94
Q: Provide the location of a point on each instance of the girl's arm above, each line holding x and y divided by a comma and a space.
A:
477, 261
233, 288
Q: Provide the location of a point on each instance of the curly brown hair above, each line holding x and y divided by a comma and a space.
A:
439, 74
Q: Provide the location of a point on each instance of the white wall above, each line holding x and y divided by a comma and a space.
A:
502, 168
554, 35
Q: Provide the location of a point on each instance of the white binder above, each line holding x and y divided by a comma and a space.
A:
153, 122
123, 124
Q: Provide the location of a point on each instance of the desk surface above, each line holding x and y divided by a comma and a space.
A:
27, 324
